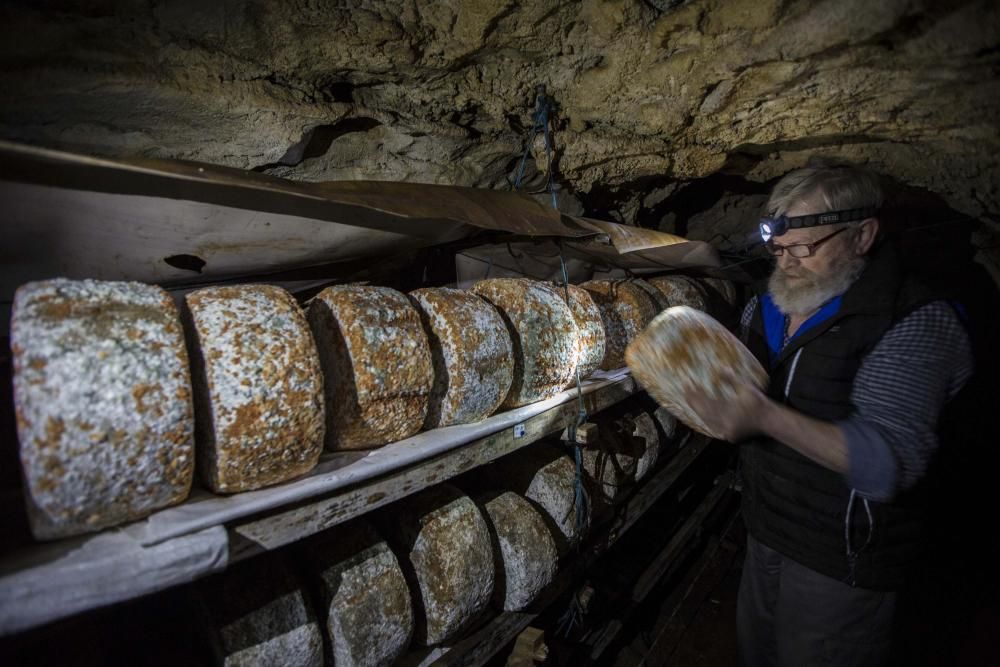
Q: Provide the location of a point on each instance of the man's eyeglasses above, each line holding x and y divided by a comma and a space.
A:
800, 250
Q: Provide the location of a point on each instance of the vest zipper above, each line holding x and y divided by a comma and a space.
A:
852, 555
791, 373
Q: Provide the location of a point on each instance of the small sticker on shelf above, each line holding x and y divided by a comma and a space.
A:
518, 430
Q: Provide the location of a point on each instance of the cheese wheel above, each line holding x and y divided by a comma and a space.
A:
725, 288
543, 333
257, 614
364, 597
527, 552
681, 291
444, 545
590, 330
642, 429
658, 297
258, 387
609, 471
667, 422
471, 352
102, 396
684, 350
626, 309
376, 362
546, 477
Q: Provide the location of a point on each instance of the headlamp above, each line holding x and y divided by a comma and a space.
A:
771, 226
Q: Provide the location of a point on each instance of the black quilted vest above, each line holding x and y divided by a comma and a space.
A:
796, 506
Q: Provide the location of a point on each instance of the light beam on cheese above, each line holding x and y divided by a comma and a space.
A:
472, 355
543, 333
625, 309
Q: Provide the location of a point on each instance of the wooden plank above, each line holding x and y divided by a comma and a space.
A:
287, 525
480, 646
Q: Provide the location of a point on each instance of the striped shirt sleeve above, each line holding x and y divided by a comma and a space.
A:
746, 317
898, 394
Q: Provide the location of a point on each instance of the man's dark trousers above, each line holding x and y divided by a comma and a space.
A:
791, 616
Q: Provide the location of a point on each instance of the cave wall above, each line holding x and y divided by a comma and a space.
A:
653, 96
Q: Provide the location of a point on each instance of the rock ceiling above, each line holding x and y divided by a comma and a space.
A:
650, 96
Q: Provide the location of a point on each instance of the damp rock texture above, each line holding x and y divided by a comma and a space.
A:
525, 551
257, 613
444, 547
365, 602
258, 387
543, 333
650, 94
102, 396
472, 355
376, 362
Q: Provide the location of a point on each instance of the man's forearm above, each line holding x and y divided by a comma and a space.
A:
821, 441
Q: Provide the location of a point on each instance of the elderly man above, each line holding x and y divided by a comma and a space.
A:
834, 456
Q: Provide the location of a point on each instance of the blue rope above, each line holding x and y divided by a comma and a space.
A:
540, 123
580, 499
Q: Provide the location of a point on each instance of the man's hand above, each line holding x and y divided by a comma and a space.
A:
751, 412
736, 418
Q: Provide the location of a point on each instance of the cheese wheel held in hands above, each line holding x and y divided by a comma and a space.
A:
684, 350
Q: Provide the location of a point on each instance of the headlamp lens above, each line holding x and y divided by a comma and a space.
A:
765, 231
771, 227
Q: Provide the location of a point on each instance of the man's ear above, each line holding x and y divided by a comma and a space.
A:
867, 233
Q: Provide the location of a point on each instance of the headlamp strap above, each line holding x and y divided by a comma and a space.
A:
776, 226
832, 217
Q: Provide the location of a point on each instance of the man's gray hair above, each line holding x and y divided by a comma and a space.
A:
839, 186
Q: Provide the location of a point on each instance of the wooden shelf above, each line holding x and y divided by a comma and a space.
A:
481, 645
205, 534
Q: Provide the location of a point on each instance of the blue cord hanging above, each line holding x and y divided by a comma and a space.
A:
540, 123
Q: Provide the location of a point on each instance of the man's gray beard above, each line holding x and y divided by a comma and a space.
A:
805, 295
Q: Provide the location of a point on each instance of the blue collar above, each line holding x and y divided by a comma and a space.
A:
774, 323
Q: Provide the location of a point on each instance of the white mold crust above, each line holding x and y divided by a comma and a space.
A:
102, 395
543, 333
258, 387
377, 364
472, 355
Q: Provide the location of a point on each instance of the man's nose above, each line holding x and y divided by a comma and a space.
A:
786, 261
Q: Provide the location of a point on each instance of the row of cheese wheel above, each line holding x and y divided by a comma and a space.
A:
108, 409
423, 571
374, 591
